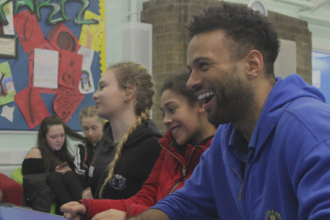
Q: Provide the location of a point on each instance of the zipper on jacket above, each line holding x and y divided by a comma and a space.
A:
183, 178
184, 169
240, 191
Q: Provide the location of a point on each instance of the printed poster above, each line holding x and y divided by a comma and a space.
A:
8, 11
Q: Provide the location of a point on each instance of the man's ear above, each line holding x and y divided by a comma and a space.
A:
130, 93
255, 63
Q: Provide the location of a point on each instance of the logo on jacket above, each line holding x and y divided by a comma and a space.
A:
118, 182
272, 215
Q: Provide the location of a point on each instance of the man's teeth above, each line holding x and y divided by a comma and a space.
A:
204, 95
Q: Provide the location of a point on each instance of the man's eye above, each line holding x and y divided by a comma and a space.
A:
203, 66
172, 110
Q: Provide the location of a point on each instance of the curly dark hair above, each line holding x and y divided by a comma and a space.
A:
177, 83
246, 30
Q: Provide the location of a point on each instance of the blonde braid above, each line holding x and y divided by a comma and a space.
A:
139, 119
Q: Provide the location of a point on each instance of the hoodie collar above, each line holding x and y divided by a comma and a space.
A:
282, 94
146, 129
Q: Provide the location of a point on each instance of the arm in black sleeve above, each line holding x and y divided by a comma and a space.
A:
32, 166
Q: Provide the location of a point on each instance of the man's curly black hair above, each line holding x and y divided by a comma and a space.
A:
246, 30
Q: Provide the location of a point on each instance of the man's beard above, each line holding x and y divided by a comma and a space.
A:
234, 99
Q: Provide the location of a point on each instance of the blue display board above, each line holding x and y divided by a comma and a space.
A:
321, 73
19, 69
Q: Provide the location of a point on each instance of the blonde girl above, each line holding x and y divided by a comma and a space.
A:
129, 147
92, 126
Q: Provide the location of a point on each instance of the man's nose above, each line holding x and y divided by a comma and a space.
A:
193, 81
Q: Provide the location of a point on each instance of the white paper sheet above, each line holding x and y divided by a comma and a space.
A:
8, 112
45, 68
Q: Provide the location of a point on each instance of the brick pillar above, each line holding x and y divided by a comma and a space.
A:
294, 29
170, 40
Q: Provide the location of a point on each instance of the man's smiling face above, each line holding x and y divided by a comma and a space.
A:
215, 78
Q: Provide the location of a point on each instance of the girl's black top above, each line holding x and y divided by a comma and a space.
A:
136, 161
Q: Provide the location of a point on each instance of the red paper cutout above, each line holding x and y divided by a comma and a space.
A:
62, 38
70, 69
46, 46
66, 102
28, 30
32, 106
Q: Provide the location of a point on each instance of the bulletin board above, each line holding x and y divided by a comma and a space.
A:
321, 73
67, 39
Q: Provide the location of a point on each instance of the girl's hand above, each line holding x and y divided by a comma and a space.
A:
111, 214
63, 170
87, 194
72, 210
64, 167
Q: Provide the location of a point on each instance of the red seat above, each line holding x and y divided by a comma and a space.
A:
12, 191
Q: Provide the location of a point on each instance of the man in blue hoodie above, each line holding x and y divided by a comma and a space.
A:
270, 157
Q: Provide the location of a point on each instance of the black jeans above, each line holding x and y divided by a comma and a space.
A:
66, 187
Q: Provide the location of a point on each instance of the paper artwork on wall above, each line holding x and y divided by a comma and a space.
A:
7, 88
32, 106
66, 102
46, 46
62, 38
45, 68
8, 47
28, 30
91, 35
70, 69
8, 12
86, 84
8, 112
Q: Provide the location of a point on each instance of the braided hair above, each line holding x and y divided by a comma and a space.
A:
132, 74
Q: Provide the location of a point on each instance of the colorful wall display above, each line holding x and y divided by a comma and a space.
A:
56, 65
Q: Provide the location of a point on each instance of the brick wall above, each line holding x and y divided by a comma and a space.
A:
294, 29
170, 39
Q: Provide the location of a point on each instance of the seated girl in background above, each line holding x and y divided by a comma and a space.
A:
92, 126
69, 186
129, 147
52, 148
189, 135
52, 154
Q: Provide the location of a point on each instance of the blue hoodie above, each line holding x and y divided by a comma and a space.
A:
287, 170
